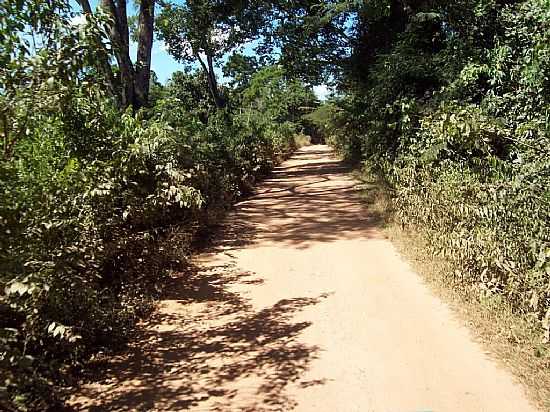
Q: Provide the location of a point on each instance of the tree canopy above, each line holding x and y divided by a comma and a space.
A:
107, 175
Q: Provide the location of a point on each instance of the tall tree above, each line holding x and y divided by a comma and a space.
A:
202, 31
132, 82
312, 37
145, 45
240, 68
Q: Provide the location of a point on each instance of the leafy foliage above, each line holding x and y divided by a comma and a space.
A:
90, 193
453, 112
449, 101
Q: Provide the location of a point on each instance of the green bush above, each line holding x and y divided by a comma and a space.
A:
454, 114
90, 194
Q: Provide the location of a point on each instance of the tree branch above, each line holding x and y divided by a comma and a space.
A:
119, 38
145, 45
85, 4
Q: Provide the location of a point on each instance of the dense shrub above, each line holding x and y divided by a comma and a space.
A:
454, 114
90, 193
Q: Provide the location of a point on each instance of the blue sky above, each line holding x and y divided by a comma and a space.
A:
164, 65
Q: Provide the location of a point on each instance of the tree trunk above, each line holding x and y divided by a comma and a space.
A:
104, 65
85, 4
145, 45
121, 47
220, 101
212, 82
133, 83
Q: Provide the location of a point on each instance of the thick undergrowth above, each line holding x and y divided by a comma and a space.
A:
98, 202
453, 113
107, 174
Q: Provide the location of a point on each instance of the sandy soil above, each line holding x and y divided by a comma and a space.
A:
300, 304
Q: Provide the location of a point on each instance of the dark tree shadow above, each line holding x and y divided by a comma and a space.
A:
181, 360
298, 205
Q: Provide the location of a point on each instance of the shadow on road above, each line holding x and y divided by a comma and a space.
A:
206, 342
186, 358
310, 199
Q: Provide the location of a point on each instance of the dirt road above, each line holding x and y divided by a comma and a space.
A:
301, 304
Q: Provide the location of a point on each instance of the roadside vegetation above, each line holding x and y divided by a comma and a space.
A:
446, 107
509, 337
104, 182
453, 114
106, 174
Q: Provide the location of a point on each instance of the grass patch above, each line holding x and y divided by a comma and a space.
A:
512, 340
